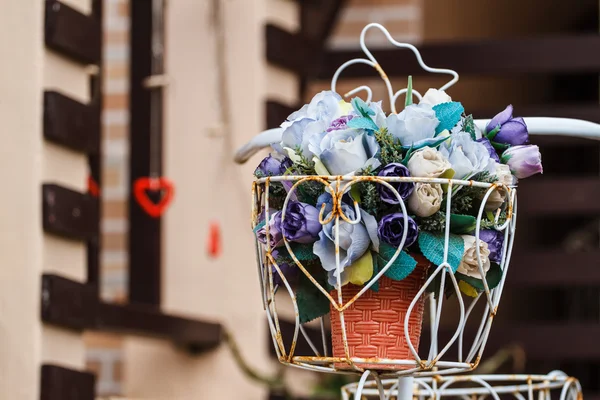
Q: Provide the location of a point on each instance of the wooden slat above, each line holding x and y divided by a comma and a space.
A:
564, 196
553, 54
68, 213
70, 123
585, 111
59, 383
554, 269
291, 51
72, 33
145, 244
75, 305
67, 303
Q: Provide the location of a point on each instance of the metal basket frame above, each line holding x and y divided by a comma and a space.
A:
432, 364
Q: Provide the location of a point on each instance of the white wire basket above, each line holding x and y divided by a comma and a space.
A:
553, 386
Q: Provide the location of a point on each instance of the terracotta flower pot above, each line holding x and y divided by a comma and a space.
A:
375, 321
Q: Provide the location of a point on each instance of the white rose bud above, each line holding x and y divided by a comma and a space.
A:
434, 97
469, 265
498, 197
427, 163
426, 199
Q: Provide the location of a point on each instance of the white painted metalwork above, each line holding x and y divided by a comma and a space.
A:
435, 359
553, 386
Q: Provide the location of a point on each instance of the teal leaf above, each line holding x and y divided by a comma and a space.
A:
432, 247
493, 277
401, 267
362, 123
361, 107
431, 142
409, 92
303, 251
462, 223
259, 226
449, 115
312, 303
375, 286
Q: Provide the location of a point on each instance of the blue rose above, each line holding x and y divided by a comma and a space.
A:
414, 126
345, 151
467, 156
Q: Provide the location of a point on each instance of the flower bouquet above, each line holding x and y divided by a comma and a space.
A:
359, 213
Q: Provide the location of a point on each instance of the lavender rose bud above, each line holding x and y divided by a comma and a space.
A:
523, 161
513, 131
340, 123
301, 223
404, 188
275, 232
490, 148
495, 242
272, 166
391, 228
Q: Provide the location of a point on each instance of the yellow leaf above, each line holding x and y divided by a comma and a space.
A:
467, 289
320, 168
345, 107
361, 271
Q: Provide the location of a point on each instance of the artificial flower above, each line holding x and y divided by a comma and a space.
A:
274, 164
495, 242
340, 123
491, 150
523, 161
428, 163
434, 97
498, 196
346, 151
301, 223
512, 131
392, 227
289, 270
354, 241
467, 156
426, 199
414, 126
404, 189
469, 265
312, 119
275, 232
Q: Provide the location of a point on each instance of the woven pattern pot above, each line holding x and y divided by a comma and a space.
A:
375, 321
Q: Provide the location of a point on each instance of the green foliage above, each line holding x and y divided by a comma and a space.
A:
488, 223
303, 251
468, 125
467, 198
302, 167
308, 192
432, 247
312, 303
277, 195
362, 108
370, 201
461, 224
435, 223
391, 148
401, 267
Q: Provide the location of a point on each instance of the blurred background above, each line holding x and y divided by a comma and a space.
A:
169, 307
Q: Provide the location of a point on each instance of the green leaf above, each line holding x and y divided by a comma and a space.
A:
492, 134
501, 147
361, 271
432, 247
361, 107
462, 223
409, 93
468, 126
303, 251
403, 265
467, 289
375, 256
363, 123
312, 303
449, 115
493, 277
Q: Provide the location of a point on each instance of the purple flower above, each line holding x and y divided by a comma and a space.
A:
272, 166
490, 149
523, 161
391, 228
340, 123
289, 270
404, 189
301, 223
495, 242
513, 131
275, 232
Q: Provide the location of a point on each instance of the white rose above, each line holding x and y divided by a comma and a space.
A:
498, 197
467, 156
426, 199
415, 125
428, 163
469, 265
434, 97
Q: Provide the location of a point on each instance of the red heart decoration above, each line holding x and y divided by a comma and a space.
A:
140, 191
